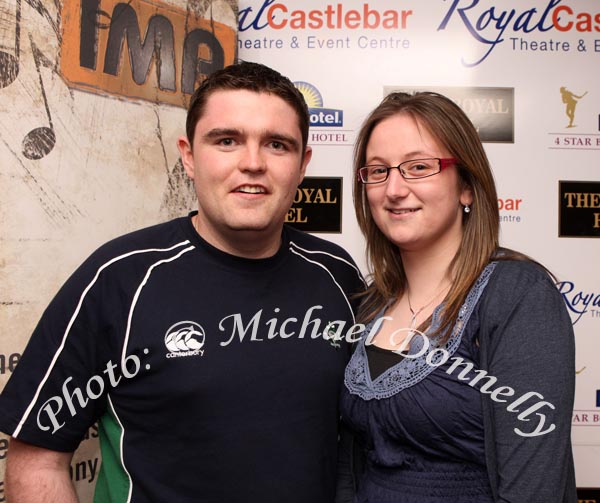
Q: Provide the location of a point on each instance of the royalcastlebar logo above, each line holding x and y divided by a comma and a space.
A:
185, 338
536, 29
533, 29
278, 16
319, 115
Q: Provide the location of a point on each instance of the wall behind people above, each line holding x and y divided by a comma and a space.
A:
91, 106
526, 72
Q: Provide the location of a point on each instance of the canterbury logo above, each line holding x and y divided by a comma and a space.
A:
185, 338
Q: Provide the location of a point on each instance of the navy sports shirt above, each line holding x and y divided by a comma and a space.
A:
209, 373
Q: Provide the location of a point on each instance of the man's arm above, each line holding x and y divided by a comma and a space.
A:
38, 475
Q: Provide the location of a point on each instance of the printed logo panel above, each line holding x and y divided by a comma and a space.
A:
317, 205
588, 495
141, 49
319, 116
579, 209
329, 121
491, 109
581, 133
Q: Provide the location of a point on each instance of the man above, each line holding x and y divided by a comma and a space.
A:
202, 345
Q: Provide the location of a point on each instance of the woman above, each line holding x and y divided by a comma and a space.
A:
462, 389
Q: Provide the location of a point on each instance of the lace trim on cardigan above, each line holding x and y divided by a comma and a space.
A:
410, 371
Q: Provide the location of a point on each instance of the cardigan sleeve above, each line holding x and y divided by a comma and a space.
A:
527, 345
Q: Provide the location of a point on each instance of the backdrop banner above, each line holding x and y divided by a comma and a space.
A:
526, 73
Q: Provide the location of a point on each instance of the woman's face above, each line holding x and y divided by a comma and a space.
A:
416, 215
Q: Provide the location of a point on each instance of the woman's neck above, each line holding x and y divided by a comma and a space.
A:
428, 273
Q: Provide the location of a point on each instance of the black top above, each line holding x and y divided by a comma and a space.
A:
381, 359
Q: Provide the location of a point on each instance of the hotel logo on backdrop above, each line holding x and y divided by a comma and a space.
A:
321, 117
580, 126
317, 205
491, 109
142, 49
579, 209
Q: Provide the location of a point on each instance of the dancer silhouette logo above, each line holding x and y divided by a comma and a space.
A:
570, 100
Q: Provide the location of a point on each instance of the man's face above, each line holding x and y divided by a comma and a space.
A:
246, 162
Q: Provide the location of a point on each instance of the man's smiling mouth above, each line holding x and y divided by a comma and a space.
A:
251, 189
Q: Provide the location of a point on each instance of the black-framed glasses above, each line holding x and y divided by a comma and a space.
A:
410, 170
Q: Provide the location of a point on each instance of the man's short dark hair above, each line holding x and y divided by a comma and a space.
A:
251, 77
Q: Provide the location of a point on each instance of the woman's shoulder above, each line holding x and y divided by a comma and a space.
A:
518, 281
518, 272
521, 272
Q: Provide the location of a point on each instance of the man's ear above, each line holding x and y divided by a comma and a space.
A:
187, 156
305, 160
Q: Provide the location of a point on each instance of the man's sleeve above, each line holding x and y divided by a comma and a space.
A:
58, 388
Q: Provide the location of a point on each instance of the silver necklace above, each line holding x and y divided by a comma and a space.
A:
413, 321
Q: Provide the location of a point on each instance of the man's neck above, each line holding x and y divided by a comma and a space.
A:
246, 244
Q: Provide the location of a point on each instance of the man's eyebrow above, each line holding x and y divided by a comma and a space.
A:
217, 132
293, 143
290, 140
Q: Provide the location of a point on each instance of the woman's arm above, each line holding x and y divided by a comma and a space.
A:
529, 348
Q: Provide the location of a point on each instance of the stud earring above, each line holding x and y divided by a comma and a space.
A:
467, 208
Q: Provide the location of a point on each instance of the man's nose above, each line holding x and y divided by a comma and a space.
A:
253, 158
